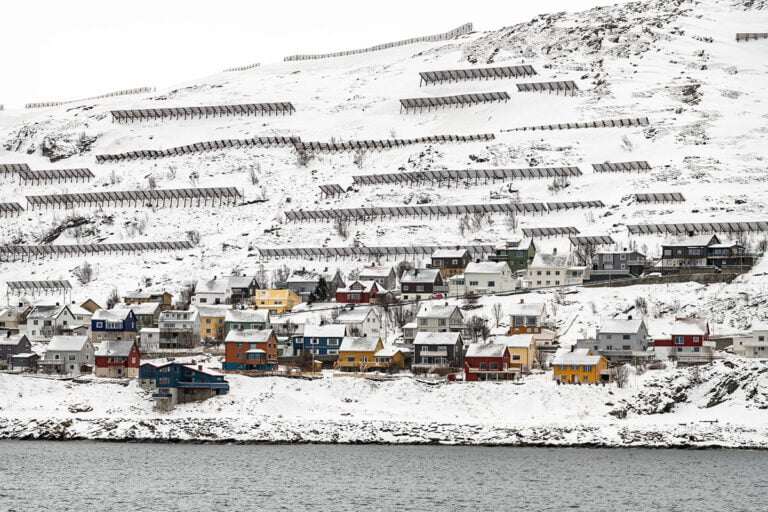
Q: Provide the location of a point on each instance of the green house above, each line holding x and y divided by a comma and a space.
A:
517, 253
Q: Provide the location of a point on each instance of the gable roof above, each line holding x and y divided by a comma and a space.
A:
379, 271
436, 338
247, 315
358, 344
140, 294
144, 308
390, 351
420, 275
577, 356
311, 276
486, 350
689, 327
115, 315
240, 281
13, 339
449, 253
68, 343
325, 331
515, 340
46, 311
355, 315
117, 348
528, 309
621, 325
521, 244
211, 311
550, 260
212, 286
485, 267
368, 287
690, 241
437, 310
249, 335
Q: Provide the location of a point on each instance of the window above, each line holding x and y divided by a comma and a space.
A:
679, 340
71, 357
557, 282
203, 300
422, 321
493, 366
538, 272
240, 355
240, 345
531, 320
253, 346
332, 351
562, 367
350, 359
623, 257
587, 368
314, 341
515, 357
483, 366
761, 338
353, 296
607, 257
99, 325
207, 320
625, 336
441, 322
419, 288
473, 283
333, 343
549, 272
695, 339
557, 272
491, 284
609, 336
518, 320
585, 377
696, 349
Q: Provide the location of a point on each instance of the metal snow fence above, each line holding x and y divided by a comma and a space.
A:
608, 123
639, 165
565, 85
384, 144
750, 36
660, 197
698, 227
447, 176
591, 240
54, 176
13, 168
197, 147
549, 232
138, 90
461, 100
456, 75
37, 287
373, 253
29, 252
331, 190
571, 205
10, 209
224, 195
247, 109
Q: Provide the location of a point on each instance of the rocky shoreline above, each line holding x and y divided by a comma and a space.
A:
269, 431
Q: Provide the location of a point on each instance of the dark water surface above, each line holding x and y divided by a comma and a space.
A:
87, 476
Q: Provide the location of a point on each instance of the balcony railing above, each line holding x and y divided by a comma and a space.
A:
434, 353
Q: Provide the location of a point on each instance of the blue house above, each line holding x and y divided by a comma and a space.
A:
113, 324
321, 340
177, 383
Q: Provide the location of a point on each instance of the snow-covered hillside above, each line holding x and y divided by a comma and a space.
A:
676, 62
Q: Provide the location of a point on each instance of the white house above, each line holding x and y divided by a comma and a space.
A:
384, 275
548, 270
361, 321
179, 328
484, 277
531, 318
755, 346
44, 322
439, 317
68, 355
214, 291
149, 339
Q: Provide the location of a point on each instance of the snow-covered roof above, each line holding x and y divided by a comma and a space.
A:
486, 350
25, 355
211, 311
437, 310
449, 253
144, 308
379, 271
690, 241
410, 325
485, 267
149, 330
249, 335
46, 311
367, 287
220, 286
206, 371
116, 348
311, 276
689, 327
78, 310
515, 340
528, 309
621, 325
139, 294
436, 338
325, 331
171, 314
550, 260
358, 344
246, 315
576, 356
522, 244
420, 275
240, 281
114, 315
69, 343
353, 316
390, 351
12, 339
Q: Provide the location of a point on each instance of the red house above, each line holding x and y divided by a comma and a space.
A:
250, 350
358, 292
118, 358
687, 336
488, 361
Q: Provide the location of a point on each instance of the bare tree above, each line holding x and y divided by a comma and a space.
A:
470, 299
498, 314
558, 183
620, 375
303, 157
84, 273
403, 314
171, 172
477, 327
280, 275
252, 176
113, 298
359, 158
262, 277
585, 253
401, 267
341, 226
185, 295
539, 356
151, 182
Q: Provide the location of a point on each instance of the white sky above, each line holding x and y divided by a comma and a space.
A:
58, 50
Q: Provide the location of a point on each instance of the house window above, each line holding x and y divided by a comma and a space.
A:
71, 357
332, 352
622, 257
493, 366
518, 320
625, 336
482, 366
585, 377
353, 296
531, 320
314, 341
350, 359
557, 272
422, 321
549, 273
695, 339
333, 343
538, 272
99, 325
240, 355
207, 320
473, 283
679, 340
515, 357
441, 322
419, 288
203, 300
625, 347
491, 284
240, 345
587, 368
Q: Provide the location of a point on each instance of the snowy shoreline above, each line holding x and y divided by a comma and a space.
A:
233, 431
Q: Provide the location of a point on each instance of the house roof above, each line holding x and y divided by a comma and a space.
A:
139, 294
437, 310
577, 356
78, 310
528, 309
485, 267
115, 315
420, 275
211, 311
167, 314
149, 329
550, 260
621, 325
212, 286
144, 308
390, 351
68, 343
246, 315
12, 340
46, 311
117, 348
311, 276
249, 335
25, 355
486, 350
358, 344
449, 253
690, 241
240, 281
689, 327
515, 340
522, 244
367, 287
376, 271
205, 371
325, 331
356, 315
436, 338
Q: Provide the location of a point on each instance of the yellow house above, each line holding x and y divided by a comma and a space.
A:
390, 358
212, 322
358, 354
580, 366
522, 350
276, 301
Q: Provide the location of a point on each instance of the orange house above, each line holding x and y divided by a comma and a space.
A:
250, 349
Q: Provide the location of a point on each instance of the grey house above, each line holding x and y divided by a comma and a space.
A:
383, 275
619, 339
438, 351
617, 264
303, 282
13, 344
69, 355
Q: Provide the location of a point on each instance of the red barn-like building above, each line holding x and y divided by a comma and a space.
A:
687, 335
118, 358
358, 292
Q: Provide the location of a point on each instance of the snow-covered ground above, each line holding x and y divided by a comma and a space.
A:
675, 62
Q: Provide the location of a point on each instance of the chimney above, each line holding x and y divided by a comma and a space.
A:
446, 303
58, 304
214, 278
325, 269
522, 301
554, 251
573, 347
200, 367
8, 334
629, 317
